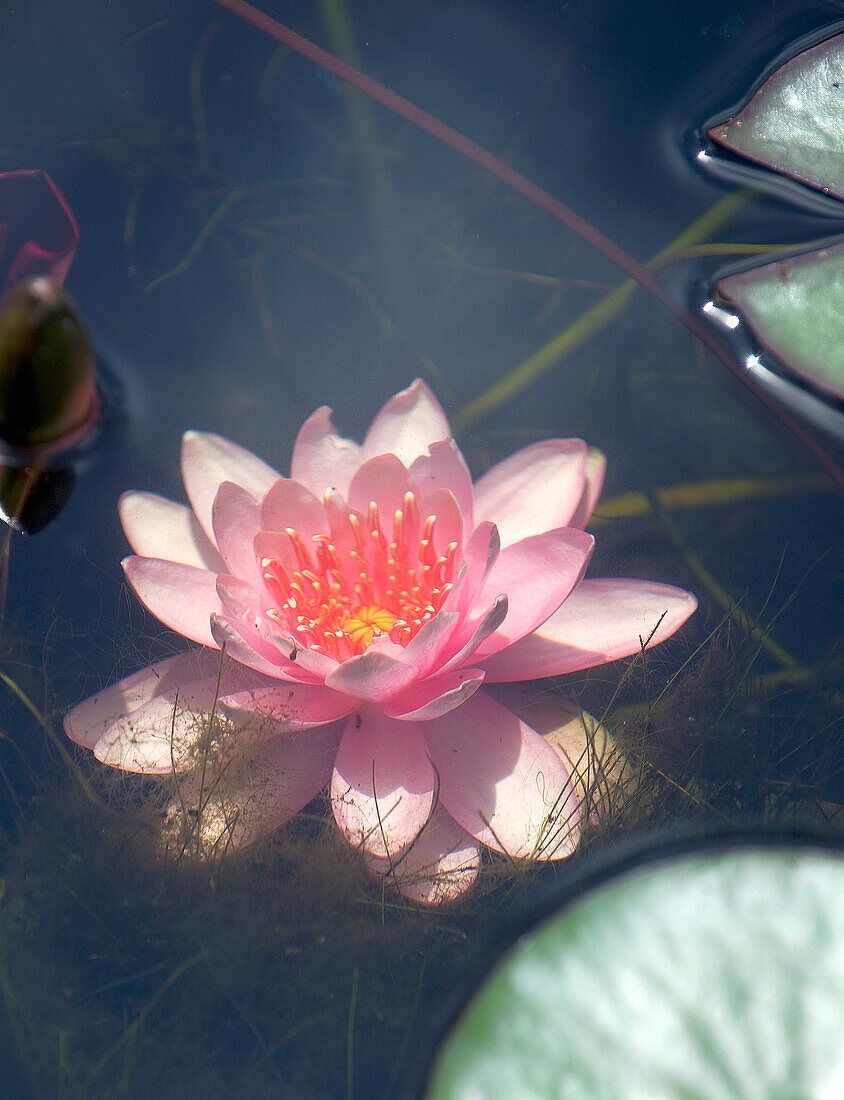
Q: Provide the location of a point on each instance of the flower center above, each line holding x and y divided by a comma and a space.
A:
344, 593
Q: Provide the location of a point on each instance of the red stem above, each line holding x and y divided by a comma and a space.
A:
532, 193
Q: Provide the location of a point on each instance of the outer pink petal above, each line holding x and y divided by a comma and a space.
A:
534, 490
537, 574
445, 468
181, 596
382, 789
160, 528
440, 865
435, 696
503, 782
208, 460
596, 465
407, 425
601, 621
287, 707
237, 800
236, 516
321, 458
88, 721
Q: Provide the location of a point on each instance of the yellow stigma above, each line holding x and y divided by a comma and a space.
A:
368, 622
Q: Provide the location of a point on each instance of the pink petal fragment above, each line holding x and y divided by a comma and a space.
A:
286, 708
382, 789
235, 517
534, 490
180, 596
160, 528
242, 797
435, 696
440, 865
596, 465
502, 782
208, 460
537, 574
601, 621
321, 458
38, 232
445, 468
407, 425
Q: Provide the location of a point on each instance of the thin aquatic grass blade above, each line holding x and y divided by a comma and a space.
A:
795, 308
792, 124
716, 974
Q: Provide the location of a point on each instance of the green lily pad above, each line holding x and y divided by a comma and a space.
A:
713, 976
794, 124
795, 308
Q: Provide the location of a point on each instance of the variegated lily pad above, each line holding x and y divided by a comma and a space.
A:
714, 975
794, 124
795, 308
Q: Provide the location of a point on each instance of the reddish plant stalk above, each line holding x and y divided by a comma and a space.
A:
513, 179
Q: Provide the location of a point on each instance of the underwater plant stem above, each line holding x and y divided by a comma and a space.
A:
542, 199
720, 594
350, 1035
707, 494
68, 760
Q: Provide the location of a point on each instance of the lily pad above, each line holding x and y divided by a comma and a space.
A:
795, 308
794, 123
710, 976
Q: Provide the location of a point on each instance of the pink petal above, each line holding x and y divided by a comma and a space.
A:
482, 628
537, 489
160, 528
208, 460
434, 696
88, 721
445, 468
181, 596
245, 645
236, 517
596, 465
288, 504
372, 676
537, 574
440, 865
167, 729
479, 556
321, 458
502, 782
287, 708
383, 480
238, 799
382, 789
407, 425
600, 621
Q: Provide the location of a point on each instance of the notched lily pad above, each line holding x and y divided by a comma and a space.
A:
795, 308
794, 123
713, 975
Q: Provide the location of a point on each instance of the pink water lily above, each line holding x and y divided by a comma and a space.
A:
360, 605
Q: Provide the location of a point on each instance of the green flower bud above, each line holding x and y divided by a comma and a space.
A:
47, 374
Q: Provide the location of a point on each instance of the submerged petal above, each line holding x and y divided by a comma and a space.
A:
407, 425
382, 789
502, 782
440, 865
600, 621
161, 528
181, 596
208, 460
534, 490
236, 799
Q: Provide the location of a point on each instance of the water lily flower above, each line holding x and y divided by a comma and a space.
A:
361, 604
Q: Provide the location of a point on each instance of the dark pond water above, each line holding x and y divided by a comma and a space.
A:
255, 243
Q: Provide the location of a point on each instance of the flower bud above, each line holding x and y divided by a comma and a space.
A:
48, 387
